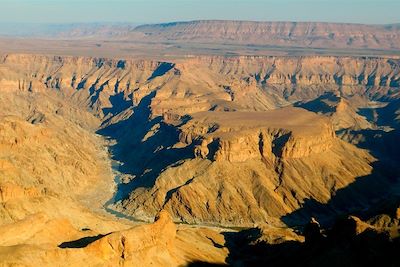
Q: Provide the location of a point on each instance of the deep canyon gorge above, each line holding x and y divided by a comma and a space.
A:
207, 149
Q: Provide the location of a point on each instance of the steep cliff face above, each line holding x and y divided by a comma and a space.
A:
87, 81
306, 71
239, 136
311, 34
108, 87
261, 83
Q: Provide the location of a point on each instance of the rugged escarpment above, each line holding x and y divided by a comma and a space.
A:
310, 34
340, 71
109, 87
261, 83
206, 37
239, 136
200, 137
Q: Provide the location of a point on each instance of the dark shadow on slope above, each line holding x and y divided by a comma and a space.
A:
144, 147
382, 184
384, 145
390, 114
95, 92
339, 246
320, 104
205, 264
215, 244
172, 191
357, 197
121, 64
119, 104
80, 243
278, 144
163, 68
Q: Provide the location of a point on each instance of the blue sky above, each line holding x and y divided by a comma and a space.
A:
152, 11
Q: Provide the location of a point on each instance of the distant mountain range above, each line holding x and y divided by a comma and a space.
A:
291, 34
70, 30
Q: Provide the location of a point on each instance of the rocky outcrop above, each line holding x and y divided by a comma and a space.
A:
237, 137
151, 244
39, 240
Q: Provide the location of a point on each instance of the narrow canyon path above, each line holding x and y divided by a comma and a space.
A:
108, 206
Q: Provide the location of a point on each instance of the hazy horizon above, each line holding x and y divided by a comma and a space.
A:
158, 11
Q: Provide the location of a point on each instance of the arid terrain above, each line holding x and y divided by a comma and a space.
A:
228, 38
201, 143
